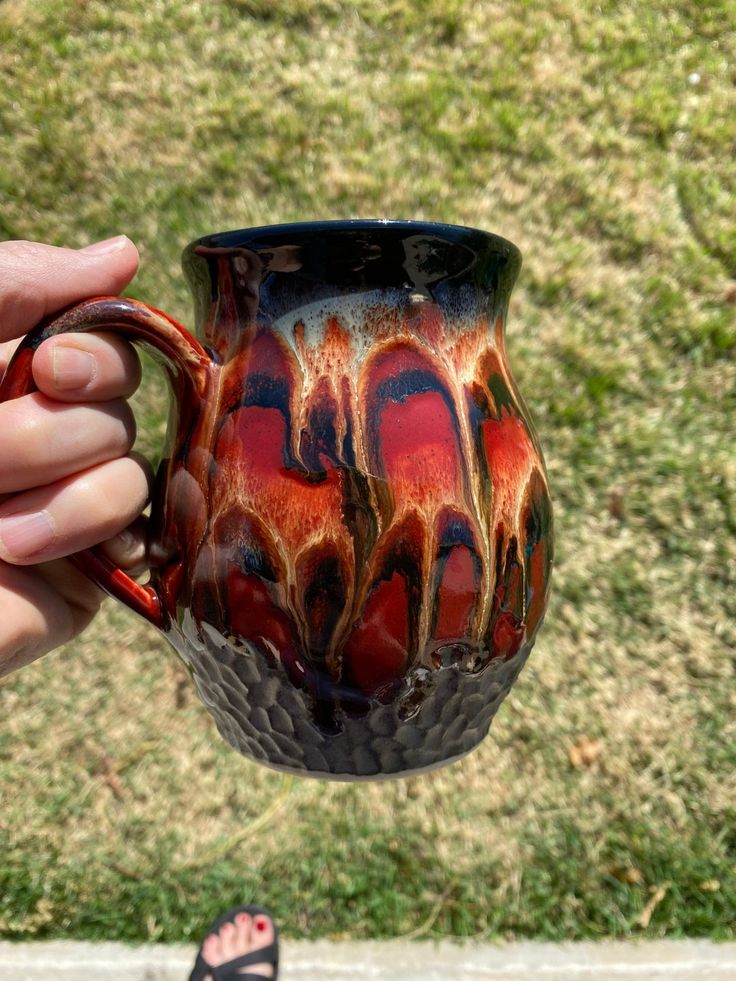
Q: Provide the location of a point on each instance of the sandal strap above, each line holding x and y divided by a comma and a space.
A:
242, 977
229, 970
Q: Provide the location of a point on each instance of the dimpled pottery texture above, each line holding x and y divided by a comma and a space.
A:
352, 529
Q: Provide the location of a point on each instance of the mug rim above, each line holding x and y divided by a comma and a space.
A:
265, 236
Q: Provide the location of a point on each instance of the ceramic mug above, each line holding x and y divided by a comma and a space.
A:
351, 536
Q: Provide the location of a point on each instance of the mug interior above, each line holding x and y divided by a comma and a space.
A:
306, 258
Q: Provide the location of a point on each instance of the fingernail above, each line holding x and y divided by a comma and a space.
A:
22, 535
107, 246
72, 368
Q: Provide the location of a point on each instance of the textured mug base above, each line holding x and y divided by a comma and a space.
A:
364, 778
439, 717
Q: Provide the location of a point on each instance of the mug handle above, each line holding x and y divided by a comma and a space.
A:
190, 362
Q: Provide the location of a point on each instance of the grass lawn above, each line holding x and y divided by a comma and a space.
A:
600, 137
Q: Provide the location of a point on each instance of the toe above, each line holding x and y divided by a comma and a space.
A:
212, 950
243, 920
258, 932
263, 933
244, 927
229, 940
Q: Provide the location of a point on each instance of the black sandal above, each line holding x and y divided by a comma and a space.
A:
229, 970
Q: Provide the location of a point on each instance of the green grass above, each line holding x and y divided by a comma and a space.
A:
600, 138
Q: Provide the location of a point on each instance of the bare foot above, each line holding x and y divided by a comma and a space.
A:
246, 934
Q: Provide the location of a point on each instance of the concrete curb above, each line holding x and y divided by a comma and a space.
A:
684, 960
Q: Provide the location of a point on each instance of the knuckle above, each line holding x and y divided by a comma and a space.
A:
114, 493
17, 248
14, 299
24, 438
21, 302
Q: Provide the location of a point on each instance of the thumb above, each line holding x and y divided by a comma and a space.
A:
37, 280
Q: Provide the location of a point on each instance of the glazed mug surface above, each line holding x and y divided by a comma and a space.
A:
351, 535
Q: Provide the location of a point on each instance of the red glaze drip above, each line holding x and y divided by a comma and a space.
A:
457, 595
383, 630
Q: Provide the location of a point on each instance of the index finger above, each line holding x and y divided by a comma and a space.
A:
38, 279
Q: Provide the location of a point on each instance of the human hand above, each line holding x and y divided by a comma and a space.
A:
67, 478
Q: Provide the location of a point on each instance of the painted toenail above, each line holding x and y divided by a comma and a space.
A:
260, 925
